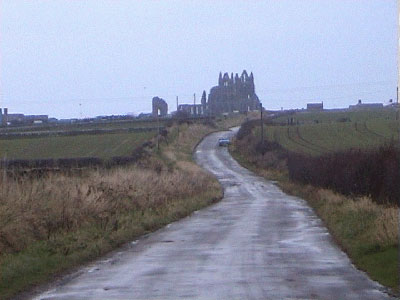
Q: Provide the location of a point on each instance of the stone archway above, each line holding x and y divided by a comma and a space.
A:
160, 107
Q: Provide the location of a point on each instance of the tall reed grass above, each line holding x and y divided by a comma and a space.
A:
33, 209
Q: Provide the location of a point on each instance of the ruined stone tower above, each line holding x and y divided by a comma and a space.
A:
233, 94
160, 107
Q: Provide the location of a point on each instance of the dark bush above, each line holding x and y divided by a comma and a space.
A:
138, 153
210, 123
16, 163
164, 132
266, 146
169, 123
147, 144
44, 163
246, 129
79, 162
355, 172
121, 160
343, 120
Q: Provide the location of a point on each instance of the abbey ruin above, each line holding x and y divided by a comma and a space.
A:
159, 107
232, 94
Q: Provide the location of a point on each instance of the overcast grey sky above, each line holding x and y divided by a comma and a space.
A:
113, 56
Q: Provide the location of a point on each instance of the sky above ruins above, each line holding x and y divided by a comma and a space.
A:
94, 57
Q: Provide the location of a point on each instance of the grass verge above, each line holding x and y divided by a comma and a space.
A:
41, 260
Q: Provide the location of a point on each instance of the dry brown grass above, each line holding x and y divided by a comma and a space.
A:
183, 139
35, 209
379, 223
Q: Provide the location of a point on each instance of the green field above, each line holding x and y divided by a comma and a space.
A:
325, 132
101, 145
85, 126
329, 116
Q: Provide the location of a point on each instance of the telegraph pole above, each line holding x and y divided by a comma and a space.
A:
262, 124
194, 98
1, 110
158, 135
177, 103
4, 172
398, 109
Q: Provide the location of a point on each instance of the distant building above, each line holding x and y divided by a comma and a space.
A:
315, 106
192, 110
232, 95
392, 104
144, 116
361, 105
66, 121
15, 119
36, 119
3, 116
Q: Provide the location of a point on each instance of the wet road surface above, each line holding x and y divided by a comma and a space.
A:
257, 243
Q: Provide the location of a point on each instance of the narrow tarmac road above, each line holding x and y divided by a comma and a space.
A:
257, 243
